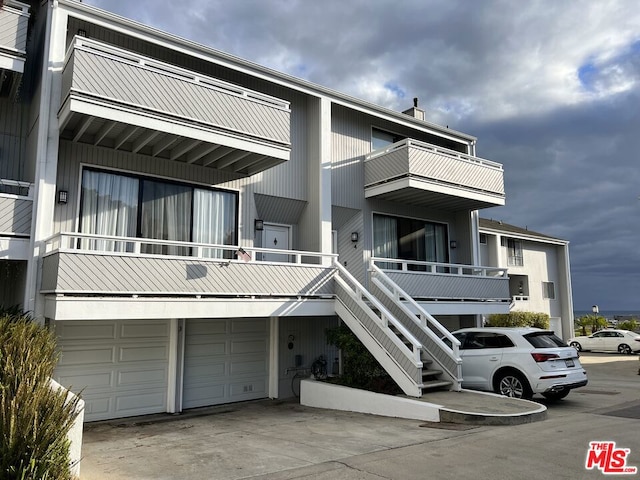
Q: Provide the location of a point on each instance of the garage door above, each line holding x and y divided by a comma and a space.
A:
119, 365
225, 361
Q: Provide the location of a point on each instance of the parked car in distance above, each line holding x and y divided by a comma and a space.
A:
519, 362
608, 340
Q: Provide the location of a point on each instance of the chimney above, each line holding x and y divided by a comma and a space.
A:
415, 112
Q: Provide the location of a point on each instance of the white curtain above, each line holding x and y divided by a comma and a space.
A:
109, 207
385, 239
214, 220
166, 215
436, 244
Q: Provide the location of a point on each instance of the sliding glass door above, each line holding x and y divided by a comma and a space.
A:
409, 239
129, 206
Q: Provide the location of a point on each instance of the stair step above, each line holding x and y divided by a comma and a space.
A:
435, 384
430, 372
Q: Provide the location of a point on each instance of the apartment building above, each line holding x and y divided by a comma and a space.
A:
189, 223
539, 270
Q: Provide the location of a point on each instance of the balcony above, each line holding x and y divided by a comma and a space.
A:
454, 287
16, 206
121, 100
14, 25
422, 174
83, 265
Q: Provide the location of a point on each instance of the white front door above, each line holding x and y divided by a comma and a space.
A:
276, 237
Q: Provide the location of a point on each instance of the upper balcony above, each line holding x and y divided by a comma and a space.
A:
16, 206
14, 26
418, 173
125, 101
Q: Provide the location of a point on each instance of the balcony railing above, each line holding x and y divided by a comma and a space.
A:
419, 173
84, 264
16, 206
120, 99
447, 281
14, 25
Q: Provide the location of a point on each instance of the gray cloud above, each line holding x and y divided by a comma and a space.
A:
552, 90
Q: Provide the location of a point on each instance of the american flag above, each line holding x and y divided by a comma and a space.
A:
243, 254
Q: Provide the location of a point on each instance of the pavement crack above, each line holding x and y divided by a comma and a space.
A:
361, 470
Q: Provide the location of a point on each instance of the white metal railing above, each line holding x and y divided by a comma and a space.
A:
408, 142
520, 298
128, 246
20, 185
156, 66
415, 266
428, 324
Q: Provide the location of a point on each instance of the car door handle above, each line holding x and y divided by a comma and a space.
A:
493, 359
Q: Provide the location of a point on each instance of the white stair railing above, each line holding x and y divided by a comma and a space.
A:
371, 322
431, 333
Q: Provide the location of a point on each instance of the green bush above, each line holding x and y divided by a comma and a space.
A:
631, 324
519, 319
360, 369
34, 418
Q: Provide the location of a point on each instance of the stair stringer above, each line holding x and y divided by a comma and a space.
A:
403, 364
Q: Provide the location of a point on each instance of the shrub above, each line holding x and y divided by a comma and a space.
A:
360, 369
631, 324
34, 418
519, 319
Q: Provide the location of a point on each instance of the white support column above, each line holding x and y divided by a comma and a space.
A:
274, 352
326, 243
172, 370
47, 137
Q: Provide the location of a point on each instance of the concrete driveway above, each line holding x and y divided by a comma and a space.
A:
283, 440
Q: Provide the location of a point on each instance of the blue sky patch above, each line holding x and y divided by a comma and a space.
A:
395, 89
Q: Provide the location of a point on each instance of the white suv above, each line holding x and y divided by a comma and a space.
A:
518, 362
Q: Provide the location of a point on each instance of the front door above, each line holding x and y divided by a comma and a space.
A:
276, 237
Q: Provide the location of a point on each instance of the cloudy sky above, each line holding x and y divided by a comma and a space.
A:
550, 88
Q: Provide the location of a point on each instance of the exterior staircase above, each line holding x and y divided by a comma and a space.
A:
405, 339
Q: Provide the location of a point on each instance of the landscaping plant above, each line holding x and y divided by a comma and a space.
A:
34, 417
519, 319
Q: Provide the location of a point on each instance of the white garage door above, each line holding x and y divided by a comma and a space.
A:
119, 365
225, 361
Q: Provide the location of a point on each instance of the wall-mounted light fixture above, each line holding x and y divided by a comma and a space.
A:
63, 196
453, 244
258, 225
354, 237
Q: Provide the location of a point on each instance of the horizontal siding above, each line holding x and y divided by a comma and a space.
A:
126, 275
15, 215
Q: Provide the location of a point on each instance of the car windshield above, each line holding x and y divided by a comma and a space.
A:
544, 340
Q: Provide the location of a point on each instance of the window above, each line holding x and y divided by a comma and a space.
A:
514, 253
548, 290
382, 139
544, 340
483, 238
130, 206
409, 239
478, 340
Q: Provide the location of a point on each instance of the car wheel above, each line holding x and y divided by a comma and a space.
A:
576, 345
624, 348
556, 395
513, 384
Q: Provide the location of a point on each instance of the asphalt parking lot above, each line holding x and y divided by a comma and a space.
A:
282, 440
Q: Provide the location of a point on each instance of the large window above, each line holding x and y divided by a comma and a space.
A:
382, 139
128, 206
515, 257
409, 239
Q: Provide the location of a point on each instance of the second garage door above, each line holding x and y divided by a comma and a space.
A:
225, 361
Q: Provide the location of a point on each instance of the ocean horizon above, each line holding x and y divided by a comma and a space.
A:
610, 314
